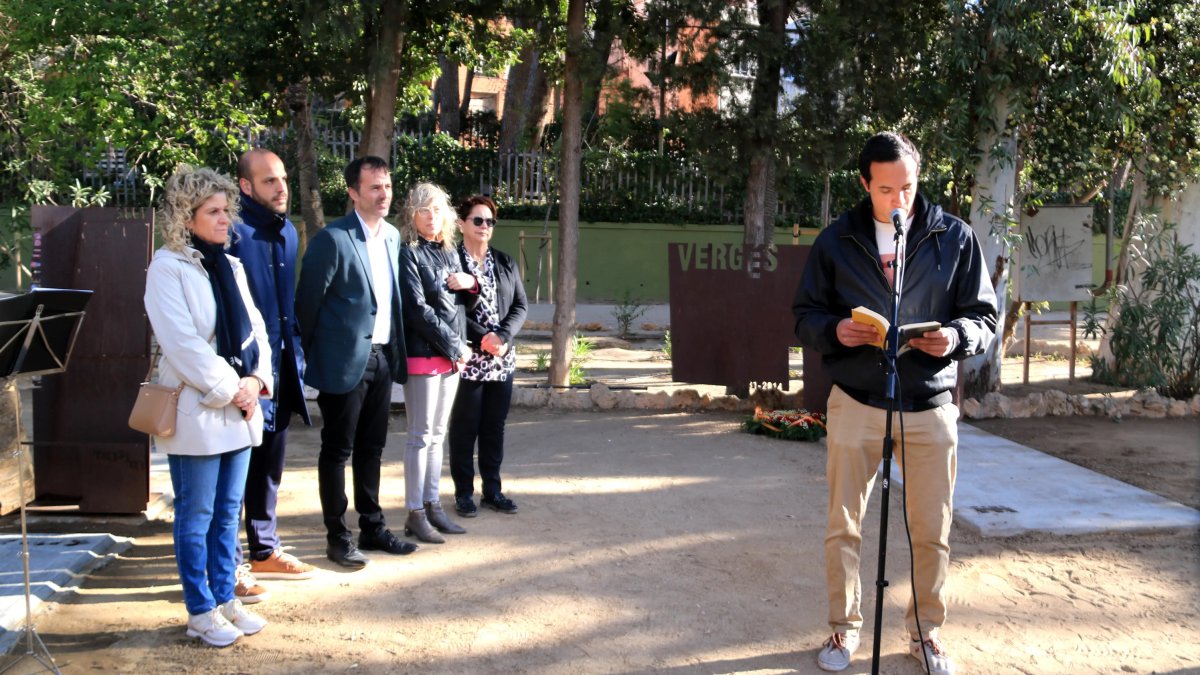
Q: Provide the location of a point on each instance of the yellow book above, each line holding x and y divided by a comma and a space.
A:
907, 331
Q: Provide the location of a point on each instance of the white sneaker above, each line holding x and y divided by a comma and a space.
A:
246, 621
836, 651
940, 663
213, 628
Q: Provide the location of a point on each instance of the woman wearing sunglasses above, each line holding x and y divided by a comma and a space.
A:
485, 390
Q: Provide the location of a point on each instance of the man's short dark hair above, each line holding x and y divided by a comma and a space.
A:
354, 169
885, 147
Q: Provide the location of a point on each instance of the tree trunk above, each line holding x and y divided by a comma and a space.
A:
300, 104
596, 65
447, 87
568, 210
991, 218
826, 198
535, 117
384, 43
516, 103
1122, 270
527, 94
759, 212
464, 109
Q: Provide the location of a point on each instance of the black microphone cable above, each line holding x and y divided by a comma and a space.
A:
912, 568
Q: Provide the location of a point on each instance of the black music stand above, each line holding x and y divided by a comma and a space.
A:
37, 333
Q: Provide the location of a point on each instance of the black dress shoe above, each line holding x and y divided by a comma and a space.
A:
499, 503
346, 554
384, 540
465, 507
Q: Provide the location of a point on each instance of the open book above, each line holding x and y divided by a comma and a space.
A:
907, 331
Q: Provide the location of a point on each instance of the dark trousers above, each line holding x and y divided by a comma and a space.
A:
355, 428
263, 477
480, 411
262, 493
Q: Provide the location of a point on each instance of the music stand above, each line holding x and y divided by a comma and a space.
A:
37, 334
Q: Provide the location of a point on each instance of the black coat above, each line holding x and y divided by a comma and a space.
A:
435, 318
512, 305
945, 280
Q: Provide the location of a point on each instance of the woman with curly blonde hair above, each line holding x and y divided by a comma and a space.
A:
435, 291
214, 345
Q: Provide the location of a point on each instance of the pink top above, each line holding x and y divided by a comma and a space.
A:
429, 365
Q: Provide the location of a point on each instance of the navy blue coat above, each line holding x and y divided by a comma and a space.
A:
335, 305
266, 243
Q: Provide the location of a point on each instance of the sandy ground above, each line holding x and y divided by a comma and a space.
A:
666, 543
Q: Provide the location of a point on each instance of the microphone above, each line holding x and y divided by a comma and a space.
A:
898, 220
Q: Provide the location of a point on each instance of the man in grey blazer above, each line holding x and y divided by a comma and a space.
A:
352, 332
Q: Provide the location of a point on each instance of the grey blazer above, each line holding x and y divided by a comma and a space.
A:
335, 307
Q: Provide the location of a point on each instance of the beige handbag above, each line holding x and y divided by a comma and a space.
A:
156, 405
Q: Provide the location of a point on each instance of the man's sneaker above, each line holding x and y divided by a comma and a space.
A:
247, 589
243, 619
465, 507
836, 652
213, 628
500, 503
931, 649
280, 565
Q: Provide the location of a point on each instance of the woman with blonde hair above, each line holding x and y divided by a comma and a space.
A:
435, 292
214, 344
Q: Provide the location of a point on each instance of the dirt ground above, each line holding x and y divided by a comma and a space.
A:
668, 543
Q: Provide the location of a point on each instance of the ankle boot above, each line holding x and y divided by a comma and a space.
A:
417, 524
438, 518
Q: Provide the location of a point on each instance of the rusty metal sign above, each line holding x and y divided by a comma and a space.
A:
84, 449
731, 312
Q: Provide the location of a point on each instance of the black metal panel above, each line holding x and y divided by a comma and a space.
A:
84, 449
731, 312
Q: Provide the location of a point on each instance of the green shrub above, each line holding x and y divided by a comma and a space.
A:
1154, 338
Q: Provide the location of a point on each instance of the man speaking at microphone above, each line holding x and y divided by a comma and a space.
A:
944, 279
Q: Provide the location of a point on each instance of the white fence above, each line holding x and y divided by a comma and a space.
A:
529, 178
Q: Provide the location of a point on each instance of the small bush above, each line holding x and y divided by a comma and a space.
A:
1155, 339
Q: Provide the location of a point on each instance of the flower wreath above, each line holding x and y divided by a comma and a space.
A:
792, 425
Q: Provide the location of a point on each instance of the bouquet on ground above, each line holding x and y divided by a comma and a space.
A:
792, 425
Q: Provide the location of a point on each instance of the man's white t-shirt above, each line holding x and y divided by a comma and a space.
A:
885, 239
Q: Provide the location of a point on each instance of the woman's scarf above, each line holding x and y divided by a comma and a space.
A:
235, 337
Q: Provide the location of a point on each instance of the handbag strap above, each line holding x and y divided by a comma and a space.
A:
153, 363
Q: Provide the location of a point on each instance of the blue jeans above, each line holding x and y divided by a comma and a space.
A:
208, 501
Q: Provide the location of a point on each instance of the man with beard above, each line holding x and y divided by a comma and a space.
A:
266, 243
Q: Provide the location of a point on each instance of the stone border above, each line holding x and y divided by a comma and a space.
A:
1057, 403
1040, 404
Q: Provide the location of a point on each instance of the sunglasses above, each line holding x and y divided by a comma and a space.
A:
481, 222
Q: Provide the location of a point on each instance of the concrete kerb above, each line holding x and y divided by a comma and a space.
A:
601, 397
1046, 339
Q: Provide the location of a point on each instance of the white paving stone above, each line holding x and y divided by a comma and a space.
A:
1006, 489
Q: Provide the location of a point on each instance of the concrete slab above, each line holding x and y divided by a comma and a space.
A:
57, 563
1006, 489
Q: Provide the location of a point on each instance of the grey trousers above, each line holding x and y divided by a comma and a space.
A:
427, 402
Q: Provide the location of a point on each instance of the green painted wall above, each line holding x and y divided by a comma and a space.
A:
618, 257
613, 257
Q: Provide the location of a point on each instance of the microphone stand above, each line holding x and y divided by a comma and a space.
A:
892, 346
